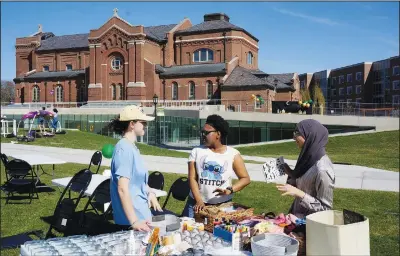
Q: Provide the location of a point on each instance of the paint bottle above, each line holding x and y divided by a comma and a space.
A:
236, 241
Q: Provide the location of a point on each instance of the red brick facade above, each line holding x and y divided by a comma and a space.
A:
119, 62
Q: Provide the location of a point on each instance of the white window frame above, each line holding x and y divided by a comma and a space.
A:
398, 85
113, 92
351, 78
394, 68
121, 91
208, 83
190, 90
347, 90
174, 91
59, 93
207, 55
358, 73
35, 94
66, 67
114, 62
44, 68
341, 79
358, 86
341, 91
250, 58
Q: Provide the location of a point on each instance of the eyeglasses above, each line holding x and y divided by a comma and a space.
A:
296, 134
205, 133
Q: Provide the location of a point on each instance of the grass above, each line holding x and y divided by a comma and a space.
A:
377, 150
381, 208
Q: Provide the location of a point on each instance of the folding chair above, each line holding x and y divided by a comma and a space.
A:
5, 161
17, 172
96, 160
99, 203
180, 191
64, 213
156, 180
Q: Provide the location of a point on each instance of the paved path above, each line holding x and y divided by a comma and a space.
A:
353, 177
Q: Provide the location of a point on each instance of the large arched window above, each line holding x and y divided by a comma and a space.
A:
35, 94
59, 93
113, 92
192, 90
210, 90
203, 55
249, 58
175, 91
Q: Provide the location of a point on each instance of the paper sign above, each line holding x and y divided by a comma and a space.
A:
106, 205
273, 170
64, 222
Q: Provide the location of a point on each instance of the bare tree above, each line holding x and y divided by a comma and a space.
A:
7, 91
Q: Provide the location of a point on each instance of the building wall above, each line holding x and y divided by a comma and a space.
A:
242, 98
183, 88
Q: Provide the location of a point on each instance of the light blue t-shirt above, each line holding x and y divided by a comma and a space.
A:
127, 162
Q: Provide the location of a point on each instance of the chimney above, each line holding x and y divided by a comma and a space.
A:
216, 16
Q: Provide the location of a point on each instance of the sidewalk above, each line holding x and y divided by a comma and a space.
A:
347, 176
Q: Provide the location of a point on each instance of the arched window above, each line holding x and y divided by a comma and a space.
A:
59, 93
121, 91
257, 103
35, 94
175, 91
210, 90
113, 92
116, 63
249, 58
192, 90
203, 55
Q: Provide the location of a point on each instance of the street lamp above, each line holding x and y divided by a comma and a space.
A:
155, 102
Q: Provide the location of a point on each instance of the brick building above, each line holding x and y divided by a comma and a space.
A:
367, 82
120, 61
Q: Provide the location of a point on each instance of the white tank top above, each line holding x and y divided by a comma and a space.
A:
213, 170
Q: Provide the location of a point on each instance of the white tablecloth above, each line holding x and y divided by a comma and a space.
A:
38, 159
96, 180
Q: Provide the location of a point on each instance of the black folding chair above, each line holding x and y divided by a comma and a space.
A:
180, 191
98, 203
64, 213
156, 180
5, 161
96, 160
18, 179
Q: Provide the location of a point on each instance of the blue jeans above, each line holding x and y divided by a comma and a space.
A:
188, 211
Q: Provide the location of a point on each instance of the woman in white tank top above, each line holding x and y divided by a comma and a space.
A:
212, 167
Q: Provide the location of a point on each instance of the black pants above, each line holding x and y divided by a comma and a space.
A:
123, 227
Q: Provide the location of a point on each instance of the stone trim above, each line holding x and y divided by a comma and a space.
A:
137, 84
95, 85
217, 38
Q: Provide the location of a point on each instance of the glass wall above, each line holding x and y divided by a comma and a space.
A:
185, 132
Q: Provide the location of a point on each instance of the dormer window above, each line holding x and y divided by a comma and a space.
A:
203, 55
249, 58
46, 68
68, 67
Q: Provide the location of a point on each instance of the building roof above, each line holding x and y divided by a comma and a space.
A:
258, 79
191, 70
158, 33
212, 26
64, 42
243, 77
51, 74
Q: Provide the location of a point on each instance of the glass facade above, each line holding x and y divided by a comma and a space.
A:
185, 132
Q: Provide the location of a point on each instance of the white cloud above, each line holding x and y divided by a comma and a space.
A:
315, 19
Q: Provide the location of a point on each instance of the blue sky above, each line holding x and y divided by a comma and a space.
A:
294, 37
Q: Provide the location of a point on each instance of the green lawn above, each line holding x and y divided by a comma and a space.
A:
381, 207
377, 150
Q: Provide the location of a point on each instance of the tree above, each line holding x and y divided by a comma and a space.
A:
7, 91
305, 94
318, 96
